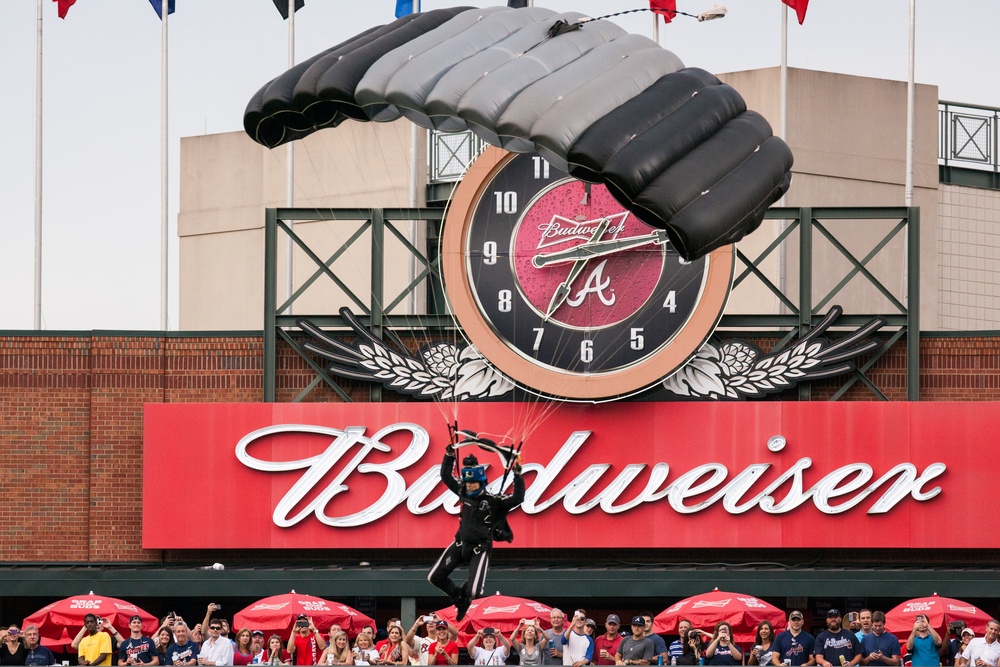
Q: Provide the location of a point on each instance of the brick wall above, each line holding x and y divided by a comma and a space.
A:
71, 422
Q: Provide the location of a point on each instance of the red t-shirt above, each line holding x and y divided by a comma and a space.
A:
435, 658
306, 649
611, 646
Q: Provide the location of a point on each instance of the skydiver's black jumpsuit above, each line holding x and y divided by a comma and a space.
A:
473, 541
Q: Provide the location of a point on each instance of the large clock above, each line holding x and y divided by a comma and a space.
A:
565, 291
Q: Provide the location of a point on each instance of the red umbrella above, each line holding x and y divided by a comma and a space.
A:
278, 613
939, 611
66, 616
743, 612
502, 612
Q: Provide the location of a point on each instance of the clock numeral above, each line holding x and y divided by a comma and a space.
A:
490, 253
506, 201
538, 339
541, 166
636, 339
586, 351
504, 300
671, 301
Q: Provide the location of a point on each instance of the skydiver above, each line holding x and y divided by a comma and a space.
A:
481, 512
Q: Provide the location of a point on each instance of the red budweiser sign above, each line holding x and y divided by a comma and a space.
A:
696, 474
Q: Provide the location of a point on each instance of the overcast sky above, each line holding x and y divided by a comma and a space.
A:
102, 111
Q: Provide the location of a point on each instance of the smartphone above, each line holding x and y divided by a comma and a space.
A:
428, 619
218, 607
531, 622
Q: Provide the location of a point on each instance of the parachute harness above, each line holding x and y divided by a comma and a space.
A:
471, 470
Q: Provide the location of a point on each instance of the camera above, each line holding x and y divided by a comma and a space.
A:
14, 633
428, 619
530, 623
302, 624
218, 607
693, 635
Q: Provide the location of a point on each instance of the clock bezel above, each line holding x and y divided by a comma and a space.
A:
561, 383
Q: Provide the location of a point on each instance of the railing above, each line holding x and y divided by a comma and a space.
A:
451, 153
967, 135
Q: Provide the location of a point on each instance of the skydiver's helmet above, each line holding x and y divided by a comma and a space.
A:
473, 472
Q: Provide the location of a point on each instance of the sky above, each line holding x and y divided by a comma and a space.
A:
101, 104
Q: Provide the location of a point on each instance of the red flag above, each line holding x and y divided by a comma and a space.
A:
800, 8
64, 6
668, 8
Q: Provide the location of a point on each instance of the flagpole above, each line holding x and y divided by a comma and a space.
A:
38, 168
164, 191
910, 104
290, 172
783, 133
784, 72
411, 260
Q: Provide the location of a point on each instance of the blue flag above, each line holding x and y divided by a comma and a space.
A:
158, 7
403, 7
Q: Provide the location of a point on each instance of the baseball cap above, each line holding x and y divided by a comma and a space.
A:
257, 632
832, 613
590, 621
969, 631
442, 624
638, 620
613, 618
134, 617
795, 614
302, 616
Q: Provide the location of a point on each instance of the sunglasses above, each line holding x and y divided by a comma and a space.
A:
215, 627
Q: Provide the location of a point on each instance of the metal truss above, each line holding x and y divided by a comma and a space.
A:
797, 312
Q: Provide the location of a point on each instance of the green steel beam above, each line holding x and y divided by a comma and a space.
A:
385, 326
617, 583
270, 303
913, 305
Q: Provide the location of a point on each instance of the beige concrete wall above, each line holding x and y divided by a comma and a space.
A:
227, 181
969, 245
848, 136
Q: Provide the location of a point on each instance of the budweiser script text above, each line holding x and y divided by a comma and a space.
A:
837, 491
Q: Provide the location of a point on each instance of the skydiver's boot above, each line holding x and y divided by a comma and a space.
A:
462, 604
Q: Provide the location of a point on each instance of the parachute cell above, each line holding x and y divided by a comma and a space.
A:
675, 146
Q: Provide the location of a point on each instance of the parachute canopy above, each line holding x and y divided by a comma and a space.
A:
674, 145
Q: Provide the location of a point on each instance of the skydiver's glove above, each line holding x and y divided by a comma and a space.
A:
449, 451
517, 468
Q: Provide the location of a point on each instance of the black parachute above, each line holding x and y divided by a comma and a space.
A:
674, 145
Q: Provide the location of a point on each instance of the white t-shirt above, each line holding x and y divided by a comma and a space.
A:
978, 648
422, 648
497, 656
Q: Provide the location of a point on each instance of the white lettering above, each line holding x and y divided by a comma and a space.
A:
596, 284
348, 449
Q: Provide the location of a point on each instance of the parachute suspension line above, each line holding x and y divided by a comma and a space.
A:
706, 16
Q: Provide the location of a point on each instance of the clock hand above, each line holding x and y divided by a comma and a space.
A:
592, 249
562, 292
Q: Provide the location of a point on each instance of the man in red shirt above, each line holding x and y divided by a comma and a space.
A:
606, 645
306, 643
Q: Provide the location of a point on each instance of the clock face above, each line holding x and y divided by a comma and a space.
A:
567, 292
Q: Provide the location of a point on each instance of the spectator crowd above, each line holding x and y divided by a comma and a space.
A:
859, 639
